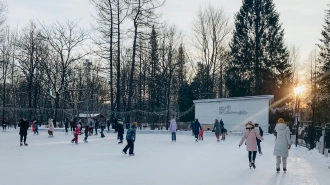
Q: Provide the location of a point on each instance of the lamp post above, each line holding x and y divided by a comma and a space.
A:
297, 91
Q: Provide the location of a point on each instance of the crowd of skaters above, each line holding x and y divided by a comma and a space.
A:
253, 135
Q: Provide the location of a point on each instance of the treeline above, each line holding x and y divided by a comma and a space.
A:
132, 60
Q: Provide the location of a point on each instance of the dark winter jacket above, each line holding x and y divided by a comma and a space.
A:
131, 133
86, 129
196, 127
120, 129
217, 128
35, 125
24, 126
4, 123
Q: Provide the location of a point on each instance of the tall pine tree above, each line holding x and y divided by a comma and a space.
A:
259, 59
325, 53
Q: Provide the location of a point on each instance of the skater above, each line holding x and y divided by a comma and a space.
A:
173, 128
24, 126
72, 126
102, 126
4, 125
282, 144
91, 123
86, 133
196, 127
250, 136
120, 129
201, 135
115, 121
223, 130
217, 129
50, 127
130, 137
261, 133
35, 126
66, 125
96, 125
75, 134
108, 125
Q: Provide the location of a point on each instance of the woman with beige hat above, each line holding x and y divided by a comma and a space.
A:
282, 144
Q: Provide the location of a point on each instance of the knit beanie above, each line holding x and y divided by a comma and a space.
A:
281, 120
135, 124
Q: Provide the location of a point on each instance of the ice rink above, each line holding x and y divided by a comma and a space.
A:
158, 161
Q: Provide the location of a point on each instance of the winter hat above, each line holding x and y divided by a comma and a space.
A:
281, 120
249, 123
135, 124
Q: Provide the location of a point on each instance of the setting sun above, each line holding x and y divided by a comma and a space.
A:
299, 90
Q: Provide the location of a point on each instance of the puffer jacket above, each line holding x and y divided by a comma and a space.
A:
283, 141
131, 133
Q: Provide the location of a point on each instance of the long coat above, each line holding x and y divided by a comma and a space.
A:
217, 127
24, 126
250, 136
196, 126
120, 129
173, 126
282, 141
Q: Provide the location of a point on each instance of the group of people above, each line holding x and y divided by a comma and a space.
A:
253, 136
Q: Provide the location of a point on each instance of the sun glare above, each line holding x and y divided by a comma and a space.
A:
299, 90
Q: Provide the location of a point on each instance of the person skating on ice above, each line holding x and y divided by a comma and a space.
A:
102, 126
261, 133
196, 127
50, 127
4, 125
86, 133
96, 125
91, 123
24, 126
217, 129
130, 137
120, 131
223, 130
36, 127
76, 133
66, 125
282, 144
250, 136
173, 129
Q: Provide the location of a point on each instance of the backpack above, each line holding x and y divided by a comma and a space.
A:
261, 132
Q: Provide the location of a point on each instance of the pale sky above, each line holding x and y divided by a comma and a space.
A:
302, 19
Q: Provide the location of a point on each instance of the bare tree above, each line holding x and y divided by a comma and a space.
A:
66, 44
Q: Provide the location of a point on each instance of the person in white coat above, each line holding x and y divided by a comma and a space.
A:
282, 144
173, 128
50, 127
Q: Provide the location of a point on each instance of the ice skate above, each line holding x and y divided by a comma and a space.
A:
76, 143
196, 140
250, 165
71, 141
21, 144
132, 154
25, 144
253, 165
123, 152
278, 170
284, 169
120, 142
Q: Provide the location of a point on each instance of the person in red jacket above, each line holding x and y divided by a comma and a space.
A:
76, 133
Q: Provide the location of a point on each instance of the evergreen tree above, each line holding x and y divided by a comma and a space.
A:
325, 53
322, 85
202, 83
259, 59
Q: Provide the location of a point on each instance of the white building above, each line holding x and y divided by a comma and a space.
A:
235, 112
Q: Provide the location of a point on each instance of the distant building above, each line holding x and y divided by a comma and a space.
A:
234, 112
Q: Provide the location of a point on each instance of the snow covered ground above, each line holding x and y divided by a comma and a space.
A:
158, 161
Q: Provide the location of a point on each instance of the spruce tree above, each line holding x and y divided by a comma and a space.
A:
325, 54
259, 59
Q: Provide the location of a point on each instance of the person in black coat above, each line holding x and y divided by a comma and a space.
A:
115, 121
66, 125
24, 126
196, 127
120, 129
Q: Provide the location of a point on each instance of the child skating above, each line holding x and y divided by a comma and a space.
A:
75, 134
